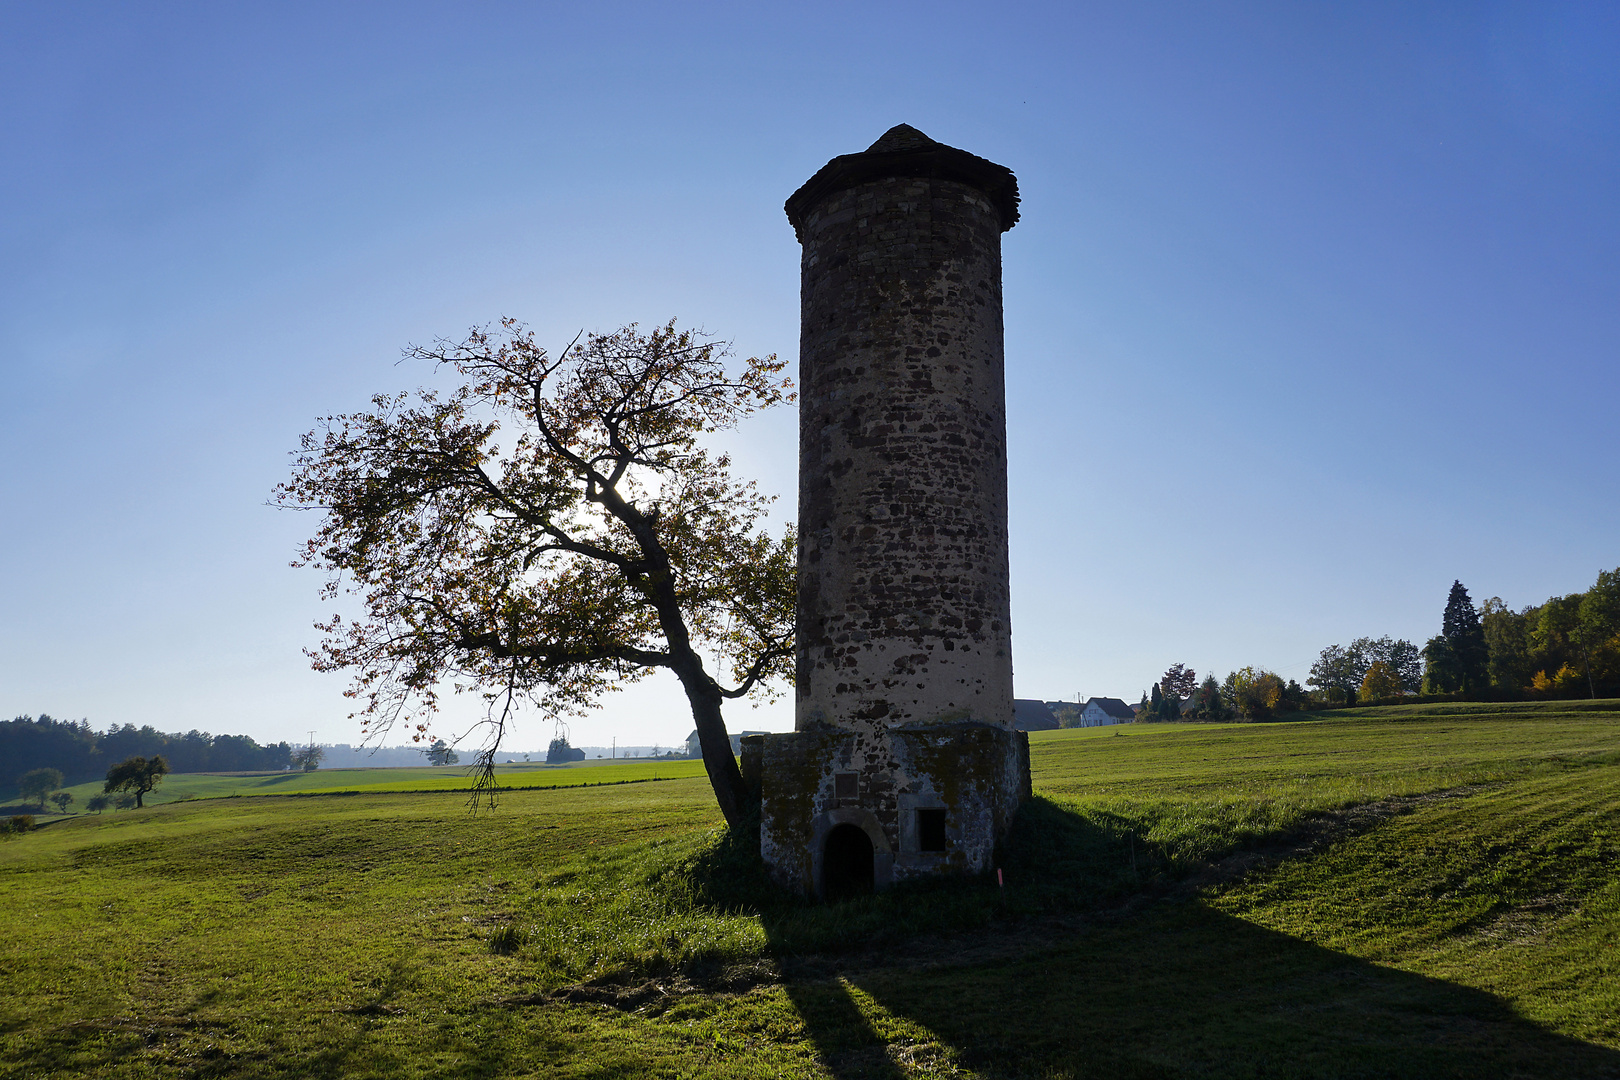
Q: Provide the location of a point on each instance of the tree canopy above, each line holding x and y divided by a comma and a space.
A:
38, 783
1341, 670
138, 775
308, 758
1381, 683
1254, 692
1179, 681
598, 541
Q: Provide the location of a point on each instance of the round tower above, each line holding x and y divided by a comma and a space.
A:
903, 580
904, 762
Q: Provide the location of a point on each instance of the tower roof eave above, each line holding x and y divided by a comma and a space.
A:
905, 151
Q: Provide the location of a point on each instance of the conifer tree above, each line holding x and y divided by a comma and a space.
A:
1464, 635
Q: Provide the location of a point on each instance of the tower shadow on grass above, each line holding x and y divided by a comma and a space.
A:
1188, 991
1166, 990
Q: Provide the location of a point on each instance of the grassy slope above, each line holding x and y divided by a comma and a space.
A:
1474, 935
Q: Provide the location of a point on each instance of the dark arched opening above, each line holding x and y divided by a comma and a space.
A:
846, 863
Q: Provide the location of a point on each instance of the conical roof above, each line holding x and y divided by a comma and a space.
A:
901, 137
905, 151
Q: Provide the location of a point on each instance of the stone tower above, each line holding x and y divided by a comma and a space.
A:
904, 762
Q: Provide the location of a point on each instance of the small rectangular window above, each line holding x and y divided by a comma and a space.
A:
846, 785
931, 830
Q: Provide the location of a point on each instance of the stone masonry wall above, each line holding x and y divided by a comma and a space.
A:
903, 602
975, 773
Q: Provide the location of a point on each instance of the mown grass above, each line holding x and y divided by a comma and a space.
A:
352, 935
510, 777
1216, 787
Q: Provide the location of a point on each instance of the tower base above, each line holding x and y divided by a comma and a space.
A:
844, 812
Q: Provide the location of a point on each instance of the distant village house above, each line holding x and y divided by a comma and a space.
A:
1032, 715
1102, 711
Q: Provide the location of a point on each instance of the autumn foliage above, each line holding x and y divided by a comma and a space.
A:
549, 529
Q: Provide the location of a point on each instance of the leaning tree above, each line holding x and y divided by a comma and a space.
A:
598, 541
136, 774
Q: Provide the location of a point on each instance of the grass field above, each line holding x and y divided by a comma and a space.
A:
1406, 892
524, 776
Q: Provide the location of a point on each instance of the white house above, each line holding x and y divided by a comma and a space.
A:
1102, 711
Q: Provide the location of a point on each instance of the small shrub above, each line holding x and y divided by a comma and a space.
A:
22, 823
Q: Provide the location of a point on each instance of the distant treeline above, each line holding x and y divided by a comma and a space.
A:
82, 753
1565, 647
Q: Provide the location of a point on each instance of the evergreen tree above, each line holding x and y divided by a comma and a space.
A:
1465, 639
1156, 705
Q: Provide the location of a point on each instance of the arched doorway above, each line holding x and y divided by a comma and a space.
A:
846, 863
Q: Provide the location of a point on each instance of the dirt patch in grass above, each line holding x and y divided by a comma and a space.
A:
1529, 921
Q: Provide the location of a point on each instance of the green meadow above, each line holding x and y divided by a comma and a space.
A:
523, 776
1424, 891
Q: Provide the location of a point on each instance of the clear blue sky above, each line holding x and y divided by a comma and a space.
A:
1312, 308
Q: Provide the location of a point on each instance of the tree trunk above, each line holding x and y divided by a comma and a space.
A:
718, 761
